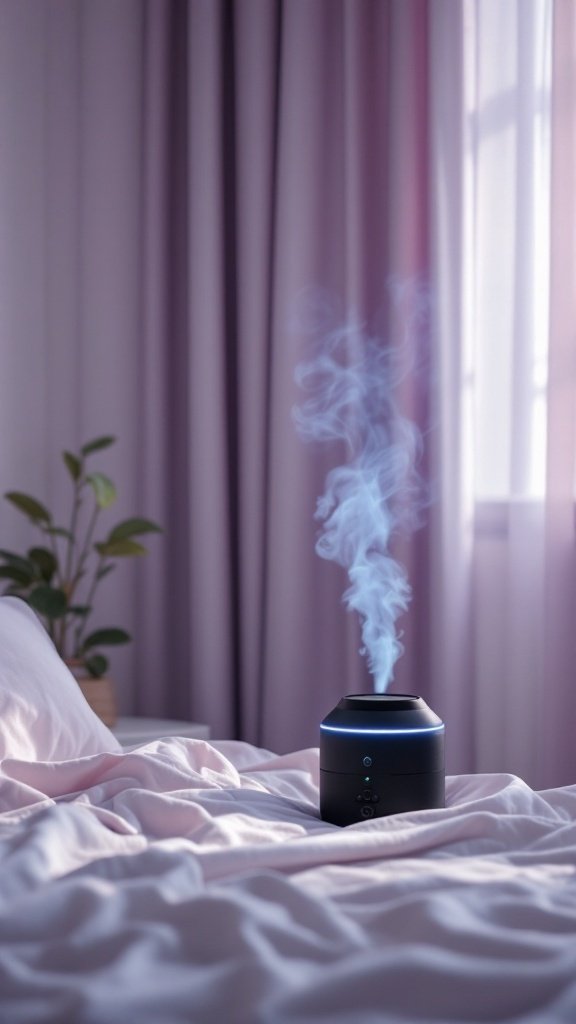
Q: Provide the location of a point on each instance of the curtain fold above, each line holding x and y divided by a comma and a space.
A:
297, 136
558, 696
451, 671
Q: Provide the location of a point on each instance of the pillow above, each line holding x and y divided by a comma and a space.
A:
43, 713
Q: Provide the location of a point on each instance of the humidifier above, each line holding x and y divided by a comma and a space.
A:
380, 754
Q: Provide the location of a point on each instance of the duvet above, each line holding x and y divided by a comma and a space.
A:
195, 882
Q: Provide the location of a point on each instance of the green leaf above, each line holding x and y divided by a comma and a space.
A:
121, 548
48, 601
18, 562
29, 506
106, 637
11, 572
45, 561
133, 528
97, 444
96, 665
104, 489
59, 531
80, 609
73, 464
104, 570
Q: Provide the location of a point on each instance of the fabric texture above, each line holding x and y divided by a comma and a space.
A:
43, 714
194, 881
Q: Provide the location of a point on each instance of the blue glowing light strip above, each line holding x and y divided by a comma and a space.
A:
380, 732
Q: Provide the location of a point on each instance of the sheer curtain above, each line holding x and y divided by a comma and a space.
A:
558, 698
505, 266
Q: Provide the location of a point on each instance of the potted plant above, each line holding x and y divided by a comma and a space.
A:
59, 577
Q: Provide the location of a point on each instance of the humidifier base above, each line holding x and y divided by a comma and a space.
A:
349, 798
380, 754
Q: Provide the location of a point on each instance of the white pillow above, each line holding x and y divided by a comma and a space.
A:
43, 714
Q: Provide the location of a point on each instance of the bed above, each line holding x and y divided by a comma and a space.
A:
188, 881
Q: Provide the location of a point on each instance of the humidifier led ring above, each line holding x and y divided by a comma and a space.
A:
380, 754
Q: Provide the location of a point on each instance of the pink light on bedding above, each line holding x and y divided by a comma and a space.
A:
188, 881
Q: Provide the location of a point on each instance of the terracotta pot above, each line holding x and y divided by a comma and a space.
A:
100, 693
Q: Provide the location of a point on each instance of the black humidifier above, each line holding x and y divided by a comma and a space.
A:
380, 754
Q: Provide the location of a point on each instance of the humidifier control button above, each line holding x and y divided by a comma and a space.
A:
367, 762
367, 794
360, 799
375, 798
367, 812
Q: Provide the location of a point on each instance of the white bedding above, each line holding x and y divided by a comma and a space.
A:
189, 882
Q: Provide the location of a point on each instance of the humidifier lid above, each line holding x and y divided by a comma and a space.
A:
382, 712
381, 702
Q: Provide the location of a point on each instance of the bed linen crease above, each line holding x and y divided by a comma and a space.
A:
195, 881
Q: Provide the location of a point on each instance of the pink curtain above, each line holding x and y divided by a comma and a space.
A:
177, 180
557, 705
177, 175
503, 551
306, 169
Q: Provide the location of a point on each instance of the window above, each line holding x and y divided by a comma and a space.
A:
507, 187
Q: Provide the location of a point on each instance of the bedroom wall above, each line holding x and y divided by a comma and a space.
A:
72, 350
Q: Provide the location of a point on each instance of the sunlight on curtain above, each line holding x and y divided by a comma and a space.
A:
508, 56
507, 61
501, 621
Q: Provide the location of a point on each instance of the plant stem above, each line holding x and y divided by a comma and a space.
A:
89, 597
59, 579
73, 522
78, 573
85, 549
54, 550
66, 579
74, 573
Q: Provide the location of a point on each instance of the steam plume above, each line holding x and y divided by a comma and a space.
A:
349, 386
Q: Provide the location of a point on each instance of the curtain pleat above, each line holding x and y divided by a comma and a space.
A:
557, 704
299, 114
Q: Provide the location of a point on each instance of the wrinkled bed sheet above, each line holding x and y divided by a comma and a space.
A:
195, 882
